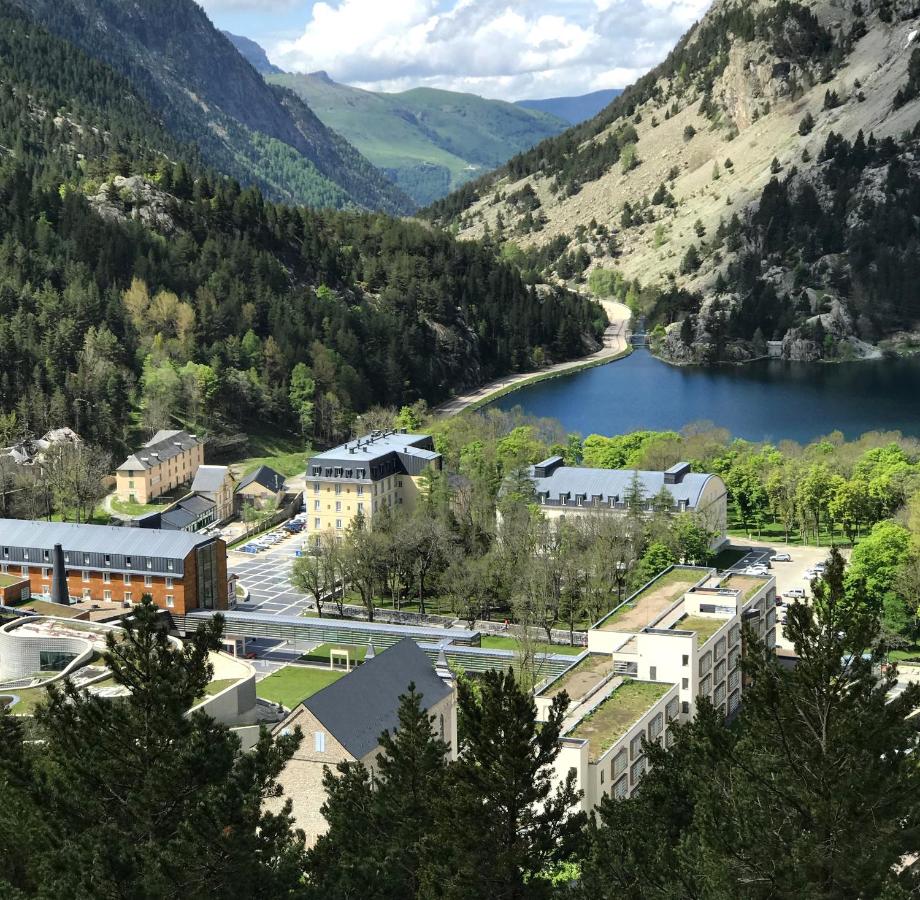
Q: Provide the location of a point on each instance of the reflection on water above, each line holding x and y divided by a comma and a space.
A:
767, 400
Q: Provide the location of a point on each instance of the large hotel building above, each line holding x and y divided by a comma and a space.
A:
361, 477
180, 571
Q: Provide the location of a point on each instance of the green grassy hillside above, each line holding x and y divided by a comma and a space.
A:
428, 141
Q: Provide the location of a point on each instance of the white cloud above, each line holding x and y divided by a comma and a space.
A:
499, 48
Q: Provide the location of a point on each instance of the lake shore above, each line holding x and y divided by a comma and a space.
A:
616, 346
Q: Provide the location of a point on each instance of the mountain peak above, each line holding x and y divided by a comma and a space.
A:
322, 75
253, 53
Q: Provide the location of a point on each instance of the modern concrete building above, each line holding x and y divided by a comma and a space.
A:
575, 491
343, 722
167, 460
648, 662
180, 571
385, 469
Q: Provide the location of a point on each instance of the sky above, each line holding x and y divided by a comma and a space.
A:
508, 49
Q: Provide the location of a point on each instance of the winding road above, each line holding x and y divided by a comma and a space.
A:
616, 341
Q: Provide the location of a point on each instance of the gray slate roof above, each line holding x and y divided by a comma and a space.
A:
162, 446
209, 479
356, 709
110, 539
375, 447
616, 482
266, 476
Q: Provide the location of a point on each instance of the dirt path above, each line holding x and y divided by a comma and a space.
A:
616, 340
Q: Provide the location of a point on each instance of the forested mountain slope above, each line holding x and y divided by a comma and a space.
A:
760, 184
429, 142
133, 279
208, 94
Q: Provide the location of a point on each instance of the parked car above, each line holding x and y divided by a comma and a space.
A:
779, 600
781, 557
251, 655
796, 593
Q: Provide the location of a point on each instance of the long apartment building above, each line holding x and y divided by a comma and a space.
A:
648, 662
167, 460
384, 469
575, 491
180, 571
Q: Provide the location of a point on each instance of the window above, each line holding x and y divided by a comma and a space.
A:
108, 560
169, 581
706, 686
338, 489
316, 506
46, 573
338, 505
635, 747
86, 594
149, 563
655, 727
170, 603
653, 673
319, 741
107, 595
316, 523
128, 562
637, 770
705, 663
86, 575
148, 580
338, 523
621, 788
85, 559
361, 508
686, 660
169, 565
127, 577
619, 764
685, 683
106, 577
602, 776
316, 483
360, 490
24, 571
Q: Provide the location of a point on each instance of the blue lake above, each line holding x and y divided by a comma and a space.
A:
767, 400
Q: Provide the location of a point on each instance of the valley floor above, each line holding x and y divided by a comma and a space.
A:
616, 343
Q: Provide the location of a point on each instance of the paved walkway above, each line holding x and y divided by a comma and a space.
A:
616, 340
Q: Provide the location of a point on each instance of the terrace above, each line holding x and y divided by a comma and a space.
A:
9, 580
747, 584
585, 675
704, 626
613, 718
648, 604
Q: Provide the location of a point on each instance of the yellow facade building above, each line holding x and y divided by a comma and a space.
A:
385, 469
167, 460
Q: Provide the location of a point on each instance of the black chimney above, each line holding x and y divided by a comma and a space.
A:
59, 592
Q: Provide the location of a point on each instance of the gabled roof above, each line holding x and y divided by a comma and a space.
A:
209, 479
356, 709
162, 446
266, 476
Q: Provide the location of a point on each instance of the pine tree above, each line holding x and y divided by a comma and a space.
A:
377, 824
137, 798
501, 826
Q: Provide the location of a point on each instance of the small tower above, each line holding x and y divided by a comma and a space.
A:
371, 652
59, 592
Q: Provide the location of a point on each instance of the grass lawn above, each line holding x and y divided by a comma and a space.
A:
292, 684
29, 698
217, 685
130, 508
613, 718
704, 626
910, 654
500, 642
773, 532
8, 580
319, 656
285, 453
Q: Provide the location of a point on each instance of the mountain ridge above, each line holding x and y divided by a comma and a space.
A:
574, 109
426, 140
208, 94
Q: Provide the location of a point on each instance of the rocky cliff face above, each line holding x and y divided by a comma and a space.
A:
666, 186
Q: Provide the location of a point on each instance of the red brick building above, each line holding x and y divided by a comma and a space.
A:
180, 571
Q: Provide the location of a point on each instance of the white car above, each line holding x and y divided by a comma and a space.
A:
781, 557
755, 570
795, 594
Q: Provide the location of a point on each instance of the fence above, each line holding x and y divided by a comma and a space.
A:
282, 514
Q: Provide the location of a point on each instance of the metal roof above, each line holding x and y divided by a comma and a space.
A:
359, 707
209, 479
609, 483
110, 539
374, 447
